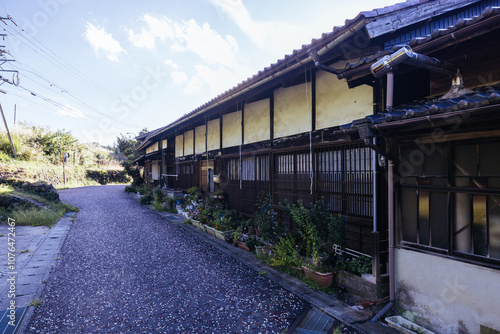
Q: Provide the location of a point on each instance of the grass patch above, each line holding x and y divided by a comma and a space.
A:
46, 214
34, 217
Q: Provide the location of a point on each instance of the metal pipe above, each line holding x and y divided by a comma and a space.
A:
317, 63
406, 55
390, 208
389, 100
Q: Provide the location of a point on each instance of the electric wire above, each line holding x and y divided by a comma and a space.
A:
56, 60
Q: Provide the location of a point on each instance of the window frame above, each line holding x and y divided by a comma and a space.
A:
451, 190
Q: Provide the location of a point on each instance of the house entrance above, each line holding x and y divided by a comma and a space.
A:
207, 175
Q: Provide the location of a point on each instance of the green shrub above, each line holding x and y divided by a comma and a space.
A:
130, 189
359, 266
104, 176
285, 254
146, 199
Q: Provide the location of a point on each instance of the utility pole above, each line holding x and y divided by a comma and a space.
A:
8, 133
15, 111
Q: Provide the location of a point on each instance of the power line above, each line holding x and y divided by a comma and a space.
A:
56, 60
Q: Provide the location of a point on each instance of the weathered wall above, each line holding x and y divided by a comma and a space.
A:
336, 104
179, 145
447, 296
231, 129
292, 114
257, 121
213, 135
188, 142
199, 141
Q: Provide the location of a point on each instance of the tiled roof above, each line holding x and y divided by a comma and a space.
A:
484, 96
301, 54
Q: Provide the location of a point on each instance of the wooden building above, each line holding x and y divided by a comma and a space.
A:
360, 117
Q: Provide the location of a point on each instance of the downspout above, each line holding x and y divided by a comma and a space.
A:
317, 63
390, 209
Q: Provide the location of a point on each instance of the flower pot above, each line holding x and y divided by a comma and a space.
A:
210, 230
322, 279
198, 225
243, 245
222, 234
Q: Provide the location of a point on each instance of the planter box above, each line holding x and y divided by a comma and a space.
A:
366, 286
322, 279
210, 230
406, 326
198, 225
243, 245
222, 234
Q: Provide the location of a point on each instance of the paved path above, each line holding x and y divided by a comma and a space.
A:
123, 268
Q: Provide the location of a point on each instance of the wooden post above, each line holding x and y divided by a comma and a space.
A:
8, 133
64, 171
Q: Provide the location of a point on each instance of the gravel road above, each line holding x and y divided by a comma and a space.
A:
125, 269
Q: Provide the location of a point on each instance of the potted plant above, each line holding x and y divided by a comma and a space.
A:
223, 226
237, 236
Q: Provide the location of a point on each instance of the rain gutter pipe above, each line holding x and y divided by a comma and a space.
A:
390, 208
386, 66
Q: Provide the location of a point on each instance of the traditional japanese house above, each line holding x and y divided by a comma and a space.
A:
366, 116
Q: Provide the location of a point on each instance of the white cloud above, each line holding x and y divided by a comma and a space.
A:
171, 63
189, 35
179, 77
102, 41
70, 112
158, 28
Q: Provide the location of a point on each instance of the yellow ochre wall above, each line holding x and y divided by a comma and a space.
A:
257, 121
292, 113
231, 129
213, 135
188, 142
336, 104
199, 141
179, 146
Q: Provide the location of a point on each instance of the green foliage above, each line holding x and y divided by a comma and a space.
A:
359, 266
267, 219
308, 232
146, 199
159, 195
252, 241
105, 176
126, 146
285, 254
130, 189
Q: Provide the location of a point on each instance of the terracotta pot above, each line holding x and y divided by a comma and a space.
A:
322, 279
243, 245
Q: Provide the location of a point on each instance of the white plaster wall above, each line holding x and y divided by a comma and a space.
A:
447, 296
213, 135
155, 170
292, 114
336, 104
179, 145
231, 129
257, 121
188, 142
199, 140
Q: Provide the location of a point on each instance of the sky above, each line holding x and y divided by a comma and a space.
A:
102, 69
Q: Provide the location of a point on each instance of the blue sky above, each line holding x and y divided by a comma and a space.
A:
104, 68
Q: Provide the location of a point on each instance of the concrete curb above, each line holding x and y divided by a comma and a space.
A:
34, 269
